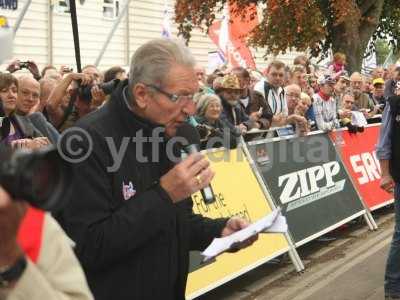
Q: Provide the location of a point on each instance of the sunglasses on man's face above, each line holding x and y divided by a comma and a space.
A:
233, 92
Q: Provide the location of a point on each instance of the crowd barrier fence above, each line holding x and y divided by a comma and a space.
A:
320, 181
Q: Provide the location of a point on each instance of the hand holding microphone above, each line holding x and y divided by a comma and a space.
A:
187, 177
193, 173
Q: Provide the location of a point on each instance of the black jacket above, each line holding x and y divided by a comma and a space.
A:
46, 128
136, 248
390, 87
257, 100
218, 134
22, 123
227, 114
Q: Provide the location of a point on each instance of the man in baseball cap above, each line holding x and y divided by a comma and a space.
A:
378, 92
326, 79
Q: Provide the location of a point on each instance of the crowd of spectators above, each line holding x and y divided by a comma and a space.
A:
35, 108
232, 102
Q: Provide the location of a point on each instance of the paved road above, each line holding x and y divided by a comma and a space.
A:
356, 276
364, 280
351, 268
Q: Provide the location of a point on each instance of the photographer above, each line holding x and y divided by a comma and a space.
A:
66, 104
30, 65
36, 258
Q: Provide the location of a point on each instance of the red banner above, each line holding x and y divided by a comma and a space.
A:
230, 37
359, 156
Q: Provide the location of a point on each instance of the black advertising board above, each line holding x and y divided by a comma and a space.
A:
307, 179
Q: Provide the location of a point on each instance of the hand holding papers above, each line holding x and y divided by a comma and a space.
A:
358, 119
272, 223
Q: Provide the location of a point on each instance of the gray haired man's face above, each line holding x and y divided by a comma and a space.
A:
180, 81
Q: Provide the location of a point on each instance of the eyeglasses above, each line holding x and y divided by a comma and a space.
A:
171, 97
233, 92
292, 95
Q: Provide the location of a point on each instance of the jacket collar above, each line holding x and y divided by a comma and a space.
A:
324, 96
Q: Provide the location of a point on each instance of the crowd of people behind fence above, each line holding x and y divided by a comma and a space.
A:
129, 247
232, 101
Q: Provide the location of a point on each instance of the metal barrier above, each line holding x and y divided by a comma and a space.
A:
320, 181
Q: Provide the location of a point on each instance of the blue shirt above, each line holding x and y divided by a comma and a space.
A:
384, 147
310, 115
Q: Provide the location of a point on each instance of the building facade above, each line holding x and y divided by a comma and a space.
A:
45, 33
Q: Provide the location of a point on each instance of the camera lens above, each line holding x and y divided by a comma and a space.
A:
39, 177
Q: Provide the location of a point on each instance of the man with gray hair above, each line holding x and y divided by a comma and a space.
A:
29, 105
130, 212
362, 100
28, 94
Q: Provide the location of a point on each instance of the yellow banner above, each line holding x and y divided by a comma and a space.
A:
237, 194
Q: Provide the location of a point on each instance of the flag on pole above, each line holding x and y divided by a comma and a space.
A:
223, 35
229, 35
166, 24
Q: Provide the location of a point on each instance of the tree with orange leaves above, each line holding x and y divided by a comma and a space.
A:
317, 25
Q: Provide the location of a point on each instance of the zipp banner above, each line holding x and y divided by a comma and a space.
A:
308, 180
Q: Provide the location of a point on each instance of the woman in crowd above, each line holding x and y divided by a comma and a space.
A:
214, 131
303, 105
15, 130
337, 67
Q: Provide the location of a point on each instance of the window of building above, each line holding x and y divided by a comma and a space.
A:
110, 9
62, 7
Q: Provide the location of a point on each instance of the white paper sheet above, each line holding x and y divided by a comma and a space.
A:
358, 119
271, 223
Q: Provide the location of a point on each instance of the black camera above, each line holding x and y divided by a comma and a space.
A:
85, 91
24, 65
39, 177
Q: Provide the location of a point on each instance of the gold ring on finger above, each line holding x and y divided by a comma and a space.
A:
199, 181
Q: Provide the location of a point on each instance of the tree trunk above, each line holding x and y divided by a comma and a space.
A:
353, 40
346, 39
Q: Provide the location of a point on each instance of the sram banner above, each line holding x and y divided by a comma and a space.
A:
359, 156
238, 193
308, 180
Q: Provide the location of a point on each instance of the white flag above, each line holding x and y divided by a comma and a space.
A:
166, 24
224, 33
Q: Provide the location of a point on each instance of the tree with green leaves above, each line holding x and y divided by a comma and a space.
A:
345, 26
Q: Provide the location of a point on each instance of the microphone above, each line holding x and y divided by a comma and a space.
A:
192, 138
